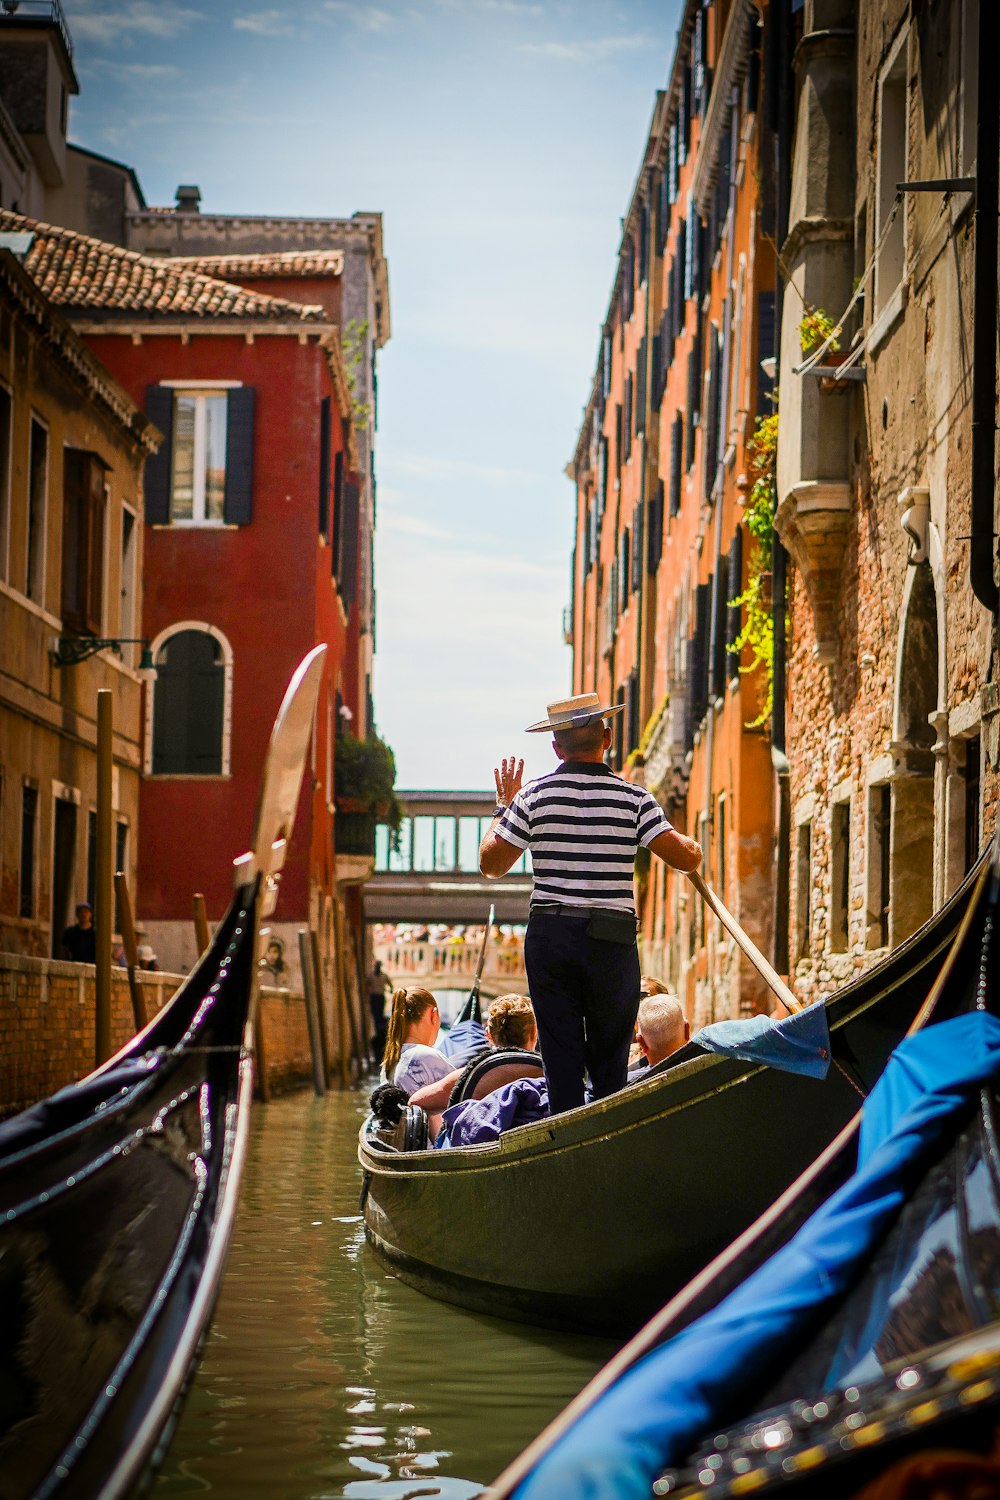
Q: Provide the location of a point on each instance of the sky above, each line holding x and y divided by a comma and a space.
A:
500, 139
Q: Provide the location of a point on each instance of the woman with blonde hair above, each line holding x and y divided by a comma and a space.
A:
411, 1059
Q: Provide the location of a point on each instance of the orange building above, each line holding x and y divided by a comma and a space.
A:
665, 475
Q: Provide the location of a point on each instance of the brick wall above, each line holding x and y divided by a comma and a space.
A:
47, 1026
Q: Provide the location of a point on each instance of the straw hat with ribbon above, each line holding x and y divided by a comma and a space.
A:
574, 713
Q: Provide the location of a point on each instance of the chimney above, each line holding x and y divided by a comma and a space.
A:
188, 200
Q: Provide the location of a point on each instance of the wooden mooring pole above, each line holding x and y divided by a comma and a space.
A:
310, 988
104, 897
131, 950
202, 936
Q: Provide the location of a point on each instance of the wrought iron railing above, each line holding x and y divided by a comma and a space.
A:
38, 10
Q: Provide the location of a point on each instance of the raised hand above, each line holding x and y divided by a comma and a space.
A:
508, 779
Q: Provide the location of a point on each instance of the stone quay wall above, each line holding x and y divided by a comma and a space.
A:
47, 1026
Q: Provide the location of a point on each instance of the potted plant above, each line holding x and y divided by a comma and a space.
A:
816, 329
364, 777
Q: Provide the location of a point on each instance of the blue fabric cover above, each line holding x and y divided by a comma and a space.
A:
477, 1120
712, 1372
76, 1102
799, 1043
462, 1042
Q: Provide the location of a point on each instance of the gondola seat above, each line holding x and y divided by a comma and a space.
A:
485, 1075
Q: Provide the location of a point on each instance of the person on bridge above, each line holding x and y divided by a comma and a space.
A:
583, 825
411, 1059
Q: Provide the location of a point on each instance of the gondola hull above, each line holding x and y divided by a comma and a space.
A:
591, 1219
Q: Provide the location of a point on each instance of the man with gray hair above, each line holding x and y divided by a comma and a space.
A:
661, 1027
583, 825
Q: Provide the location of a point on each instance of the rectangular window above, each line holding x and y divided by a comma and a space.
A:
29, 843
879, 857
399, 853
973, 753
423, 844
84, 503
468, 844
38, 486
198, 458
127, 614
6, 414
121, 865
803, 888
889, 215
381, 848
444, 843
840, 876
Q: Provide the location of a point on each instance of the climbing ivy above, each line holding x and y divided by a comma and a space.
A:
757, 631
354, 342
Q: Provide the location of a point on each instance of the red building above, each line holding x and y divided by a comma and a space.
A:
251, 554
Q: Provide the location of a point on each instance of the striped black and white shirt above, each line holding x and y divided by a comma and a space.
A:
583, 825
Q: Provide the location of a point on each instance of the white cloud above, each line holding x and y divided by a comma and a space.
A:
595, 50
129, 19
365, 17
265, 23
425, 466
134, 72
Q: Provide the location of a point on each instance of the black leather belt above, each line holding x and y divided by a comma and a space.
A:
562, 909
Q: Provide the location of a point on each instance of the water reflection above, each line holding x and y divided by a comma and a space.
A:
324, 1376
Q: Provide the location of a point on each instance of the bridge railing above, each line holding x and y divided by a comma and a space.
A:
419, 959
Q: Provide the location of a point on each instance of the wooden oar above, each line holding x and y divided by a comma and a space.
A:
471, 1010
753, 953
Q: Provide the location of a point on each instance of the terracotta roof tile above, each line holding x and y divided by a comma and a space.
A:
79, 273
280, 263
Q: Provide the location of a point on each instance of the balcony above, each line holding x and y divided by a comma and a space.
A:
34, 11
354, 842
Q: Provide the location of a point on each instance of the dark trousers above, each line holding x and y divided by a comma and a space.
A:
585, 994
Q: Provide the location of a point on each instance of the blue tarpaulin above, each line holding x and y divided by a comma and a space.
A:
799, 1043
477, 1120
713, 1372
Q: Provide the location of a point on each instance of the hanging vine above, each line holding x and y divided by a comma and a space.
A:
353, 343
757, 632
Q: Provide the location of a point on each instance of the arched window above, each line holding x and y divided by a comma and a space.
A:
189, 733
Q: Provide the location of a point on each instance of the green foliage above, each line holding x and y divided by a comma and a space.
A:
816, 327
365, 771
757, 631
353, 342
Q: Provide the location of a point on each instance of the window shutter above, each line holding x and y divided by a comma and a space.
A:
709, 455
633, 711
765, 350
656, 394
238, 506
637, 549
602, 477
640, 390
643, 241
324, 468
156, 485
693, 393
690, 237
719, 663
607, 366
619, 439
624, 572
734, 620
681, 262
698, 663
676, 432
687, 95
593, 521
628, 416
671, 177
348, 577
338, 510
654, 547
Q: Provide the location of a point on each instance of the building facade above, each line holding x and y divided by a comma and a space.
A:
663, 467
776, 484
72, 452
892, 651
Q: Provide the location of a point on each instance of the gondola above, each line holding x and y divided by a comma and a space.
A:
590, 1219
117, 1197
851, 1337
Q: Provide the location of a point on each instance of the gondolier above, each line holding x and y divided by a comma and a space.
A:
583, 825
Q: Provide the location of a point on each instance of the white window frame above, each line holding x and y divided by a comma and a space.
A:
227, 704
199, 392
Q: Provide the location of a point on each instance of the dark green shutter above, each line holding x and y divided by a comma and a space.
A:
348, 578
338, 510
654, 548
238, 507
324, 468
637, 549
719, 663
676, 432
734, 588
156, 485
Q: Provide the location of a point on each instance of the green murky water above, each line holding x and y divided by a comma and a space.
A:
324, 1375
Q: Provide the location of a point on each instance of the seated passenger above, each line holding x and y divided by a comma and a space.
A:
411, 1059
647, 986
509, 1024
661, 1028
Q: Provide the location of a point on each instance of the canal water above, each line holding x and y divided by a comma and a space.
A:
323, 1374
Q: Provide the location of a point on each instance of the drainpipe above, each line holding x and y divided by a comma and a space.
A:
783, 124
982, 549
